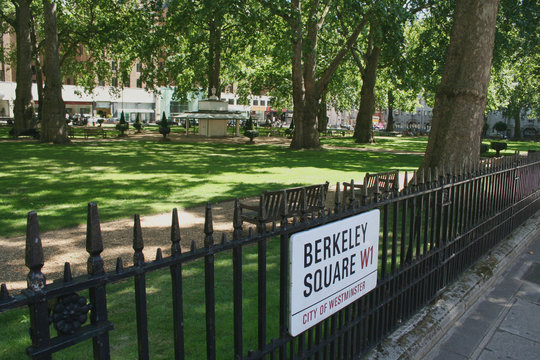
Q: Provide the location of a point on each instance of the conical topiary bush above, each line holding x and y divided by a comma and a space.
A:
122, 126
164, 128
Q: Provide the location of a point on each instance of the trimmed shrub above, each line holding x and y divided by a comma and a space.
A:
138, 125
164, 128
122, 125
251, 134
500, 126
484, 148
498, 146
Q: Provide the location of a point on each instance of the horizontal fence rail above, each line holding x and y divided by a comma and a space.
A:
230, 298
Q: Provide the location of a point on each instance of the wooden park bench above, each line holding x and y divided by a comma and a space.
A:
94, 131
381, 183
32, 132
298, 201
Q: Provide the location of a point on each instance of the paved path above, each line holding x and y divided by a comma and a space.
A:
505, 322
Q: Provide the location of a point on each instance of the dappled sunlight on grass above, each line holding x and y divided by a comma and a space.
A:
126, 177
407, 144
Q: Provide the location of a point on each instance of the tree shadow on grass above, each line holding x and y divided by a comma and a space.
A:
151, 177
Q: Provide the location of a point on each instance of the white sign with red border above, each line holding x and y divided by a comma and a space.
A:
331, 266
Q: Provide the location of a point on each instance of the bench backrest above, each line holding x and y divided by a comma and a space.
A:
299, 200
387, 180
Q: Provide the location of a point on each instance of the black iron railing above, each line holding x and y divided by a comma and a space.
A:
431, 230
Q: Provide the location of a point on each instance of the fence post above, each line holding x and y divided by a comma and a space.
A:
237, 281
178, 301
39, 312
98, 295
140, 290
209, 285
337, 199
283, 276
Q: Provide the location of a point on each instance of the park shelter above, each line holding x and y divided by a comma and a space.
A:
213, 116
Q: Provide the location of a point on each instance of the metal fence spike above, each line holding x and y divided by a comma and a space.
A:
34, 259
337, 198
119, 265
138, 244
4, 293
67, 272
237, 215
159, 254
193, 245
223, 238
94, 243
34, 250
208, 226
176, 249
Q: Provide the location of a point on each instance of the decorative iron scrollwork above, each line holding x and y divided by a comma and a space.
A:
69, 313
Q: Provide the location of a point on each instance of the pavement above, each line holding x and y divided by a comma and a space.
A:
482, 315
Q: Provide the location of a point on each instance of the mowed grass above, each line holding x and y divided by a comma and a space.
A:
418, 144
147, 177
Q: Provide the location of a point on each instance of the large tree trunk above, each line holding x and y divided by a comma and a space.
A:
390, 123
214, 57
39, 71
308, 86
23, 109
363, 131
322, 115
53, 119
461, 99
517, 124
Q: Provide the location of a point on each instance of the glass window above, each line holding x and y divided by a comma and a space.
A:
255, 102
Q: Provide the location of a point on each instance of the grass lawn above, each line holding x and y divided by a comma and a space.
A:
145, 177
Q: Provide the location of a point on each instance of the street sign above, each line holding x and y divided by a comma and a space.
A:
331, 266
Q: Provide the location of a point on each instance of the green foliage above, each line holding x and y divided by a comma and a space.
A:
484, 148
498, 146
164, 128
500, 126
251, 134
164, 122
122, 125
138, 125
249, 125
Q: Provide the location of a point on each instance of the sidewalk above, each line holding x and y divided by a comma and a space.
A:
481, 316
505, 322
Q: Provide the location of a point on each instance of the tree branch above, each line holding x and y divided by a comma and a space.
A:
357, 61
331, 69
278, 11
